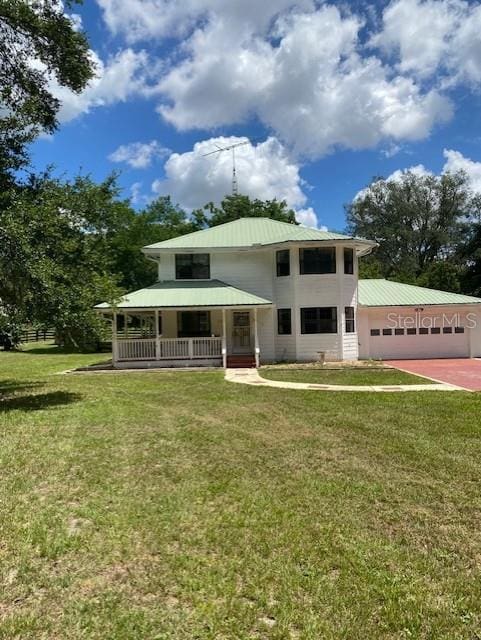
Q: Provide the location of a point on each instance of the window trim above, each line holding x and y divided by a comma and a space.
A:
191, 255
201, 334
351, 262
302, 270
281, 264
350, 319
318, 319
279, 313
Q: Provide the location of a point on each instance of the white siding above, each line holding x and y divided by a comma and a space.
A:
451, 345
255, 272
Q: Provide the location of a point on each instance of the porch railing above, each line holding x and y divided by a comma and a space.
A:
168, 348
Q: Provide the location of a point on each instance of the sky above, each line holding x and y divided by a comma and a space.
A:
326, 97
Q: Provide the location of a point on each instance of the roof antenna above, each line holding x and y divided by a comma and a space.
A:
231, 147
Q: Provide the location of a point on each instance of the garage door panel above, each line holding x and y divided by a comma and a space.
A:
455, 345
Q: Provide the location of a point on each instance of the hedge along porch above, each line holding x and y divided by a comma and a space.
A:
194, 323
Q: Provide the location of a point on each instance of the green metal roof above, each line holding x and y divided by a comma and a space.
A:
187, 293
385, 293
249, 232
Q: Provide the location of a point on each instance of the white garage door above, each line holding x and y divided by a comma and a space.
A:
399, 346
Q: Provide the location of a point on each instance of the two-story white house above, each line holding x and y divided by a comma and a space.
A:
257, 290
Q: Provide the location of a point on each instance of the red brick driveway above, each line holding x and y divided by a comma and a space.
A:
462, 372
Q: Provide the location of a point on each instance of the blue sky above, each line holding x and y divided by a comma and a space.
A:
331, 95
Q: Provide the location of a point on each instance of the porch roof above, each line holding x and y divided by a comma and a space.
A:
187, 293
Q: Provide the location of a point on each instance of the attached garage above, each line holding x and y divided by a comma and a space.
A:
399, 321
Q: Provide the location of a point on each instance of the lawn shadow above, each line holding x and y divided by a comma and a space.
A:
38, 401
9, 386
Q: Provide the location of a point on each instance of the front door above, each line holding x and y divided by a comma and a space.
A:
241, 332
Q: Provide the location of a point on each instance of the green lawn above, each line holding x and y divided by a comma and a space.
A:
355, 376
179, 506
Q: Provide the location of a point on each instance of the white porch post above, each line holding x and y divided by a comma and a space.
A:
256, 339
224, 341
157, 341
114, 338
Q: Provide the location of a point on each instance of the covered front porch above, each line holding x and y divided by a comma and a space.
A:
167, 335
187, 337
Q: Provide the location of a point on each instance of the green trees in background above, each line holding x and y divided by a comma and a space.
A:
38, 43
240, 206
426, 229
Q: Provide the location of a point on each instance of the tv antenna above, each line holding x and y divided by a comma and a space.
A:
230, 147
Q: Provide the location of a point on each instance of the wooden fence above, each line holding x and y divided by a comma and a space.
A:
36, 335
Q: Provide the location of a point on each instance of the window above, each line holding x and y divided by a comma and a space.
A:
348, 261
447, 329
423, 331
398, 332
436, 330
387, 332
193, 324
192, 266
375, 332
317, 260
458, 329
283, 260
411, 332
319, 320
349, 318
284, 322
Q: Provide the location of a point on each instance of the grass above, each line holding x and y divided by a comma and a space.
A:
352, 376
179, 506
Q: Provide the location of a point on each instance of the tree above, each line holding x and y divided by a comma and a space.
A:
159, 221
419, 221
240, 206
38, 41
53, 266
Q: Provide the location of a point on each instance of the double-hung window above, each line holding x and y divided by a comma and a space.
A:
348, 261
349, 319
284, 327
317, 260
319, 320
193, 324
192, 266
283, 262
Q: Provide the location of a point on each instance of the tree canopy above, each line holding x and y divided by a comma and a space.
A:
240, 206
38, 42
420, 223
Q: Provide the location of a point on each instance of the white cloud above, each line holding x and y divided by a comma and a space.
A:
308, 218
455, 161
307, 81
136, 192
123, 76
139, 155
396, 176
417, 170
153, 19
430, 36
263, 171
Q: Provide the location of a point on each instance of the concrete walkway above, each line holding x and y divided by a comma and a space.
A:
251, 376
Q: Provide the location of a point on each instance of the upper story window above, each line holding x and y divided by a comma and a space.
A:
192, 266
318, 260
348, 260
283, 262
